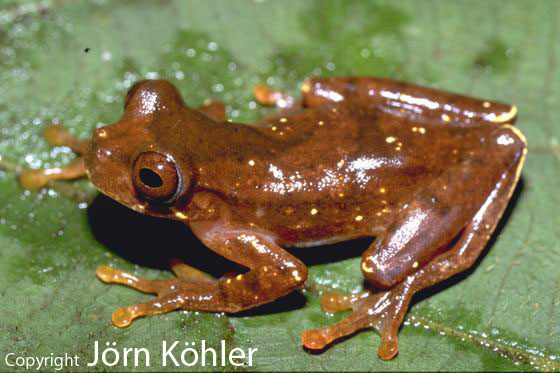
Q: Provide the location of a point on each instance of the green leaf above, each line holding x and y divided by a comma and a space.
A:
73, 62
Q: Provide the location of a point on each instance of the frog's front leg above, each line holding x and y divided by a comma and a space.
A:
272, 273
213, 109
57, 135
267, 96
435, 107
410, 256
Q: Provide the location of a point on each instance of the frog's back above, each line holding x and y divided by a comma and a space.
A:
345, 150
338, 171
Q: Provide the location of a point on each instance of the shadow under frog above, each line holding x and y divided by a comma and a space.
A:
152, 242
426, 172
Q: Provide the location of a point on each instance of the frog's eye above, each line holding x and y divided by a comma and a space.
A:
156, 177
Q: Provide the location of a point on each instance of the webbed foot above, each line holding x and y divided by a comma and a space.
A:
383, 311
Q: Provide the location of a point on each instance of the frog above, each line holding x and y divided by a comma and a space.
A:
425, 173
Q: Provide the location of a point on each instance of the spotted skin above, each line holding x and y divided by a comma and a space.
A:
427, 172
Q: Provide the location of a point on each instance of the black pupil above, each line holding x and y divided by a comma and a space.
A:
150, 178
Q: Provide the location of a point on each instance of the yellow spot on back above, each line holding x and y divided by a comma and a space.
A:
390, 139
382, 190
415, 265
314, 211
422, 130
321, 123
445, 117
274, 128
283, 120
180, 215
414, 129
486, 104
359, 218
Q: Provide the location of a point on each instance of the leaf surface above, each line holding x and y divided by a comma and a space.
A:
74, 61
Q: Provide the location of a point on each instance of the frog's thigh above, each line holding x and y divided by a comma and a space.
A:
425, 225
437, 106
385, 310
479, 230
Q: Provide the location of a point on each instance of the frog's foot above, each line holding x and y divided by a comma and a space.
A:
336, 302
266, 96
112, 275
170, 292
187, 277
188, 273
123, 317
40, 178
383, 311
57, 135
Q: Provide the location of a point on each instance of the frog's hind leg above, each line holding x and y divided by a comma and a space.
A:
57, 135
385, 309
436, 107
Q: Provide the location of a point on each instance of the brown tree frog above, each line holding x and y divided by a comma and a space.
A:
426, 172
